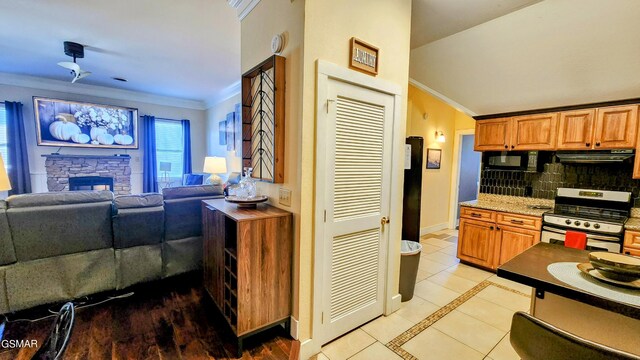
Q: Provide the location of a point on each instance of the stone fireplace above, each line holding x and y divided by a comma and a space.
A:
61, 167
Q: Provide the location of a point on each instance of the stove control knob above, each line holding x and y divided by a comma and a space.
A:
586, 224
576, 223
596, 226
568, 222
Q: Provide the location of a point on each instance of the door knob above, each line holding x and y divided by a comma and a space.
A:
385, 220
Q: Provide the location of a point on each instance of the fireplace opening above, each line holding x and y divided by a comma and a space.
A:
90, 183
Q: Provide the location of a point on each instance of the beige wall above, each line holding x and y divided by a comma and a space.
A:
285, 17
36, 161
214, 115
437, 184
329, 26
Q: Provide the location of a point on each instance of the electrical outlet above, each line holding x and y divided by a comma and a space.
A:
284, 197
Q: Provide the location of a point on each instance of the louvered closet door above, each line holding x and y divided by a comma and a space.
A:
358, 181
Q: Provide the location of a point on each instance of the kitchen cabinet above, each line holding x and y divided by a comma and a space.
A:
477, 242
492, 135
515, 240
534, 132
490, 238
616, 127
632, 240
575, 129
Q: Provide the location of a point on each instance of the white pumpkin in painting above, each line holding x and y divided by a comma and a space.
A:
123, 139
105, 139
63, 129
95, 131
80, 138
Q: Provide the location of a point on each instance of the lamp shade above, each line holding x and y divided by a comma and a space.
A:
215, 165
165, 166
4, 178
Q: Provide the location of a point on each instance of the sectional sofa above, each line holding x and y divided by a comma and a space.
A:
65, 245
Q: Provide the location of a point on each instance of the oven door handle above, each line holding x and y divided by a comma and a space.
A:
589, 236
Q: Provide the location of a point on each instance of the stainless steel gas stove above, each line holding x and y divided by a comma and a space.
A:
600, 214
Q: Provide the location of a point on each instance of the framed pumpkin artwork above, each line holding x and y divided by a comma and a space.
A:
81, 124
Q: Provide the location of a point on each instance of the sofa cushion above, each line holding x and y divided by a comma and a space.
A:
138, 201
7, 253
138, 226
58, 198
181, 192
59, 278
180, 256
138, 264
4, 303
45, 231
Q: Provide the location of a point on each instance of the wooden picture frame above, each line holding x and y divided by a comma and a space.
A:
434, 158
363, 57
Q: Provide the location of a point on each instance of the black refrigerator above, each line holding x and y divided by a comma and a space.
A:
412, 188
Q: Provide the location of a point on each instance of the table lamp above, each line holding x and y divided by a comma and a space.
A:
215, 165
5, 184
166, 167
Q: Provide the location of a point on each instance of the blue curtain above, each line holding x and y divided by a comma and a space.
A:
149, 166
18, 161
186, 154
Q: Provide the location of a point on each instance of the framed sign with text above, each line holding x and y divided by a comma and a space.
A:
364, 57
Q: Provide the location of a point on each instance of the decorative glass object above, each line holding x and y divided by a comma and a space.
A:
247, 186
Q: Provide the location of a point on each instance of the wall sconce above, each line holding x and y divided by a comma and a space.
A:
440, 137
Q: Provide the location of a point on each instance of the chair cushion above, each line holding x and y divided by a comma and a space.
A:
58, 198
193, 179
182, 192
138, 201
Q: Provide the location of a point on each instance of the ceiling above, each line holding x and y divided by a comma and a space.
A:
188, 49
552, 53
432, 20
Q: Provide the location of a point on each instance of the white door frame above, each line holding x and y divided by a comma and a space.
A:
455, 174
327, 71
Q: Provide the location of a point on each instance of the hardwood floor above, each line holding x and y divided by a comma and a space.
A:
172, 319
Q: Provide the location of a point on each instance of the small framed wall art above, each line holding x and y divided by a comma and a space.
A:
434, 158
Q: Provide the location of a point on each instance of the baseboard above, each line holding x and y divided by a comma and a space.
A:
294, 328
308, 348
396, 302
433, 228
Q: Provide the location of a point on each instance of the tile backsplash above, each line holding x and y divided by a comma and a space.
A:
543, 184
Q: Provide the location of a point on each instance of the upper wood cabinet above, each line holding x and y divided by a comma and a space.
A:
616, 127
575, 130
534, 132
492, 135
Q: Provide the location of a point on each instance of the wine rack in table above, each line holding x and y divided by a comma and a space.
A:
247, 265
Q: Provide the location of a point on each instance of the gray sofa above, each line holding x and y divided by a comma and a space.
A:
60, 246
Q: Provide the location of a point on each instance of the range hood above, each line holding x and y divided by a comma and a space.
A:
595, 157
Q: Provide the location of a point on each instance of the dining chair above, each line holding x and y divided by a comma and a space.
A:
55, 345
534, 339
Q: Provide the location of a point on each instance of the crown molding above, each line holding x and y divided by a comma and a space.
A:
439, 96
98, 91
243, 7
226, 94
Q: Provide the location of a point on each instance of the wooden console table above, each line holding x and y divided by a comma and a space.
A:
247, 265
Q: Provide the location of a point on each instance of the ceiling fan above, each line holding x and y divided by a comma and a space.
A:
74, 50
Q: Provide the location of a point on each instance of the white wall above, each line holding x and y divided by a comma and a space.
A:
36, 161
214, 115
553, 53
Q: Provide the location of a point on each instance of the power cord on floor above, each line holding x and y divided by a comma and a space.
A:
78, 306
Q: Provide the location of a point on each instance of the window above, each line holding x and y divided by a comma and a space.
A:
4, 148
169, 148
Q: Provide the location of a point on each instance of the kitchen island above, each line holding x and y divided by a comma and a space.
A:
602, 319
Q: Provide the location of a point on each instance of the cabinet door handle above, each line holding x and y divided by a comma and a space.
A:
506, 146
598, 143
588, 144
513, 146
490, 227
476, 215
514, 221
497, 227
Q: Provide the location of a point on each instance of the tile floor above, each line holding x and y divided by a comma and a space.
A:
477, 329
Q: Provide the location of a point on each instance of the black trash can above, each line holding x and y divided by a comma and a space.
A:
409, 261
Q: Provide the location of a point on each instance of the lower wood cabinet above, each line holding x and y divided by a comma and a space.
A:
247, 264
488, 243
631, 243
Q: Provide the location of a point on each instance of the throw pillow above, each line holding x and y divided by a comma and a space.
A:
194, 179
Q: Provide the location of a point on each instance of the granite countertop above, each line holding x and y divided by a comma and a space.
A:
632, 224
530, 268
511, 204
